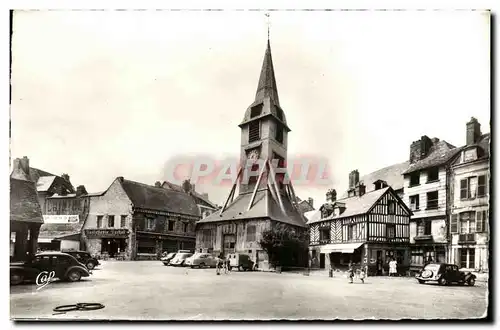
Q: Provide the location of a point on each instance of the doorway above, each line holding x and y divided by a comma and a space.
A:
322, 261
113, 246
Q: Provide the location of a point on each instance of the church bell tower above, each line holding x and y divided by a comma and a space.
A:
264, 131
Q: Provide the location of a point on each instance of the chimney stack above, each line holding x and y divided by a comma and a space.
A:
158, 184
353, 179
21, 169
311, 202
420, 149
65, 177
360, 189
331, 195
80, 191
473, 132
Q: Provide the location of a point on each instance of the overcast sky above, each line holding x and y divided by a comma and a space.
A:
104, 94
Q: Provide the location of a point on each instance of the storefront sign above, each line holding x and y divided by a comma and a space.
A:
106, 233
61, 218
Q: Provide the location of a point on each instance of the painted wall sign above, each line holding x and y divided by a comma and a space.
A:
106, 232
61, 218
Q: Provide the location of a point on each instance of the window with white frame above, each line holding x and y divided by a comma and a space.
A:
481, 186
415, 202
150, 223
468, 188
467, 258
468, 222
432, 200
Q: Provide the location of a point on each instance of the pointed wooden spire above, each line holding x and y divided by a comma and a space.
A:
267, 81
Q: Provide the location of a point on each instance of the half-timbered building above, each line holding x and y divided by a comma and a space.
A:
366, 229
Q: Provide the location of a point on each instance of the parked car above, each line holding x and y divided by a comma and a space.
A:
240, 261
444, 274
201, 260
84, 257
167, 258
65, 267
180, 258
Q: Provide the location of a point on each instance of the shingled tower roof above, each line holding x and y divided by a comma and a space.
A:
267, 81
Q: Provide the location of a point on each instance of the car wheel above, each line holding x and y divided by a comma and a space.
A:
202, 265
16, 278
240, 268
471, 281
74, 276
443, 281
90, 265
421, 281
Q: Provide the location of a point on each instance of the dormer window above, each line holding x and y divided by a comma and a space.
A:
256, 110
470, 155
254, 131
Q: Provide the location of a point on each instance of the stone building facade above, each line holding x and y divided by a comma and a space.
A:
135, 221
470, 214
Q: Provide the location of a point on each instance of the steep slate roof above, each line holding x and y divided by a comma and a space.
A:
439, 154
24, 205
392, 175
45, 182
355, 205
159, 199
200, 199
267, 93
267, 82
263, 206
35, 174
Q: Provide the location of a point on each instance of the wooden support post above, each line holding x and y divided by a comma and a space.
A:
277, 189
293, 191
257, 186
232, 191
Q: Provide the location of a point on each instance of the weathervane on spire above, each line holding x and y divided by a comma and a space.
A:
268, 21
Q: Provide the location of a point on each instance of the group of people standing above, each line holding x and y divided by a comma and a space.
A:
222, 265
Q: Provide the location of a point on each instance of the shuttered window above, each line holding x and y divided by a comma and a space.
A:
481, 186
254, 131
454, 223
481, 221
464, 189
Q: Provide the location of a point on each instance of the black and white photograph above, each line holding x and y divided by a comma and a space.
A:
250, 165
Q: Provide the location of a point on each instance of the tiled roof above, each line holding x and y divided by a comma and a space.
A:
35, 174
24, 205
440, 153
200, 199
264, 206
267, 81
45, 182
159, 199
354, 205
55, 230
392, 175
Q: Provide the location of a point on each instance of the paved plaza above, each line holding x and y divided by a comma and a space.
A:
147, 290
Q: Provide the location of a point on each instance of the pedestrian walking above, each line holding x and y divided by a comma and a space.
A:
362, 274
393, 267
228, 264
350, 272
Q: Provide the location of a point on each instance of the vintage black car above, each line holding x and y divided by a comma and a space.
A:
84, 257
445, 274
64, 266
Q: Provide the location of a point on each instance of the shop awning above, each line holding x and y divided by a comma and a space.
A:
340, 248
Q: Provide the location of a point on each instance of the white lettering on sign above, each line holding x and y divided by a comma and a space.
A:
44, 278
61, 218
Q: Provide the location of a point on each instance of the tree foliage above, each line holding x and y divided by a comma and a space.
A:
284, 245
